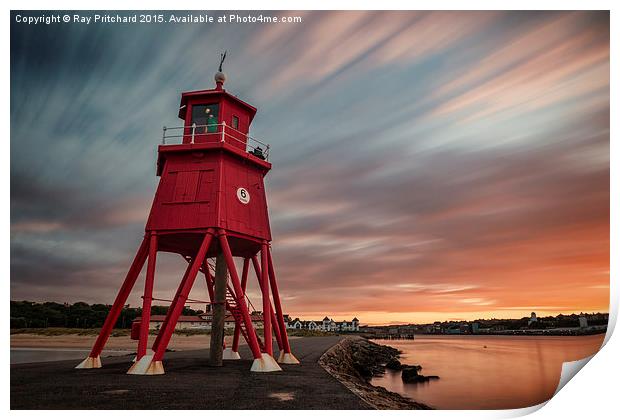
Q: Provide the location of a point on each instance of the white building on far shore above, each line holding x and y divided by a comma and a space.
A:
327, 324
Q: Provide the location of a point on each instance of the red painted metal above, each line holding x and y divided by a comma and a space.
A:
199, 190
169, 312
252, 340
276, 302
135, 330
201, 180
147, 299
274, 322
121, 298
244, 283
178, 306
266, 301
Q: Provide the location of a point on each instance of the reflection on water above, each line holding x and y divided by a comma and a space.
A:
30, 355
486, 372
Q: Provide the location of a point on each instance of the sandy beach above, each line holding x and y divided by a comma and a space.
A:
178, 342
71, 341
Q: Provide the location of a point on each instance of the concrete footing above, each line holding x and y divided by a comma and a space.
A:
148, 351
265, 364
145, 366
90, 363
287, 359
229, 354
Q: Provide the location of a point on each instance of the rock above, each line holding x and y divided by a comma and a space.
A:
410, 374
394, 364
354, 361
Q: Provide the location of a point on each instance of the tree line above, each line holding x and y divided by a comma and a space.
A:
25, 314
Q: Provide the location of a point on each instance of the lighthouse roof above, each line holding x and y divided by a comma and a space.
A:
214, 94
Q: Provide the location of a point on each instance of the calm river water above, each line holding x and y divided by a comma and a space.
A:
492, 372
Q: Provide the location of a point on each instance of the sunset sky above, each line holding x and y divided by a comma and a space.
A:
426, 165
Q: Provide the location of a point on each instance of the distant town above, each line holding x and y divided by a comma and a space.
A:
26, 314
573, 324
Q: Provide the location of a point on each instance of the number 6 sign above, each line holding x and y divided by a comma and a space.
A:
243, 195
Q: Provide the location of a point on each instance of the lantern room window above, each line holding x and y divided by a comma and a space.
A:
205, 115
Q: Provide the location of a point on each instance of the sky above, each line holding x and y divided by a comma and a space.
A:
426, 165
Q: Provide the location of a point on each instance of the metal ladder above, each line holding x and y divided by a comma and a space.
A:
233, 307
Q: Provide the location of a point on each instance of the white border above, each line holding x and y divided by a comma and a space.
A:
592, 395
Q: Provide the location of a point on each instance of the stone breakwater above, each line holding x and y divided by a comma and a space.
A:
354, 361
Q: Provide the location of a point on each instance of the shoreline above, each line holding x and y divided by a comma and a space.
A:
84, 342
354, 361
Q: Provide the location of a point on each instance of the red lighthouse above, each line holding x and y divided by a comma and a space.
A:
210, 202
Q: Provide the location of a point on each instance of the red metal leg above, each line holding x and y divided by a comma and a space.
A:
253, 341
274, 321
121, 298
244, 283
266, 301
145, 319
276, 302
172, 304
176, 310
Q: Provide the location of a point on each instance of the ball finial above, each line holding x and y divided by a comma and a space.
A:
220, 77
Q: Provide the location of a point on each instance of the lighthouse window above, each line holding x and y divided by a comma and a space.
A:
206, 118
235, 122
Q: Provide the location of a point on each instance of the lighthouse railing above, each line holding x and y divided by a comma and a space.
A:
221, 132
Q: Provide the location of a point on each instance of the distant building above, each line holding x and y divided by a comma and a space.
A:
327, 324
298, 324
583, 321
533, 319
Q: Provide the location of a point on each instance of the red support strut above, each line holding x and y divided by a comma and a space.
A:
266, 301
244, 283
145, 319
93, 360
285, 357
239, 295
155, 367
263, 362
169, 312
274, 321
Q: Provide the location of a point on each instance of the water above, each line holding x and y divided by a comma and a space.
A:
494, 372
30, 355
